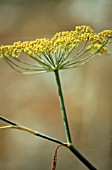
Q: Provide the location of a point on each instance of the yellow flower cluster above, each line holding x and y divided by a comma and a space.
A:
106, 33
11, 50
37, 47
62, 43
68, 39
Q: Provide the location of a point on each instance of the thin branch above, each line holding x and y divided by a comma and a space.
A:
27, 63
35, 72
19, 127
74, 66
48, 58
54, 163
26, 73
79, 63
11, 65
79, 54
86, 59
23, 68
62, 59
41, 62
59, 55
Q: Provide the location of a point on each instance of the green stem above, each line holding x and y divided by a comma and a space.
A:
68, 136
19, 127
63, 110
81, 157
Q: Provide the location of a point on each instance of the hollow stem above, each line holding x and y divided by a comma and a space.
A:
62, 105
66, 125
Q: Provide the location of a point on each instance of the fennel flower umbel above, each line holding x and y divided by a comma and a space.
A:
56, 53
52, 55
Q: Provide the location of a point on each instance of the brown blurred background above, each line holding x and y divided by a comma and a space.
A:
32, 100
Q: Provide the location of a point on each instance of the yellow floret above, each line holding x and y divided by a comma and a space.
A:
106, 34
83, 29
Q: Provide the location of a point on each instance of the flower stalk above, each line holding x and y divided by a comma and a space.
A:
62, 105
66, 125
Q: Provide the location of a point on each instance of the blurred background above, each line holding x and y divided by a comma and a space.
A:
32, 100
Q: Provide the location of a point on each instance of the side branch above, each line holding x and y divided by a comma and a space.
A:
19, 127
67, 145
